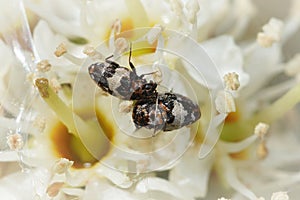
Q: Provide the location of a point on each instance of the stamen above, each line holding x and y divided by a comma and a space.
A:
232, 81
262, 150
54, 188
293, 66
55, 85
61, 166
271, 33
116, 27
280, 196
118, 178
97, 143
43, 66
60, 50
121, 45
30, 77
15, 141
125, 106
294, 11
154, 33
270, 93
40, 123
235, 147
42, 85
92, 52
292, 23
177, 7
225, 102
232, 179
157, 75
193, 7
261, 130
279, 107
244, 11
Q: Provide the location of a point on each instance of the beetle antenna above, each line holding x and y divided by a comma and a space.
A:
130, 63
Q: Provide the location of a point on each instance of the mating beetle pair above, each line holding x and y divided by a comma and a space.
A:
152, 110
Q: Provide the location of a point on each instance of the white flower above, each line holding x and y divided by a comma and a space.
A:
85, 148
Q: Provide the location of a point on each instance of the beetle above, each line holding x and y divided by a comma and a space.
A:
120, 81
167, 112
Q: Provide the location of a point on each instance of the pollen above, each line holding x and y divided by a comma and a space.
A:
42, 85
60, 50
232, 81
92, 52
89, 51
40, 123
43, 66
62, 165
271, 33
225, 102
15, 141
261, 129
280, 196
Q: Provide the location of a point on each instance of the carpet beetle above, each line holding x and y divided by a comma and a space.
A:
167, 112
120, 81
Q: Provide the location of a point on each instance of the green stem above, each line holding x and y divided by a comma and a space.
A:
63, 112
279, 107
91, 135
243, 128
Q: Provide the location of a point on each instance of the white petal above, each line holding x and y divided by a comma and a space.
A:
261, 64
9, 156
198, 63
212, 135
46, 42
25, 185
192, 174
6, 58
63, 20
102, 190
73, 191
157, 184
120, 179
227, 56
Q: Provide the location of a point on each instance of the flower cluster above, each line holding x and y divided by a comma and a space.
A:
64, 138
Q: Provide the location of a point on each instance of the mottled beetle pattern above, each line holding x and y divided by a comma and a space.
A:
120, 81
152, 110
167, 112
